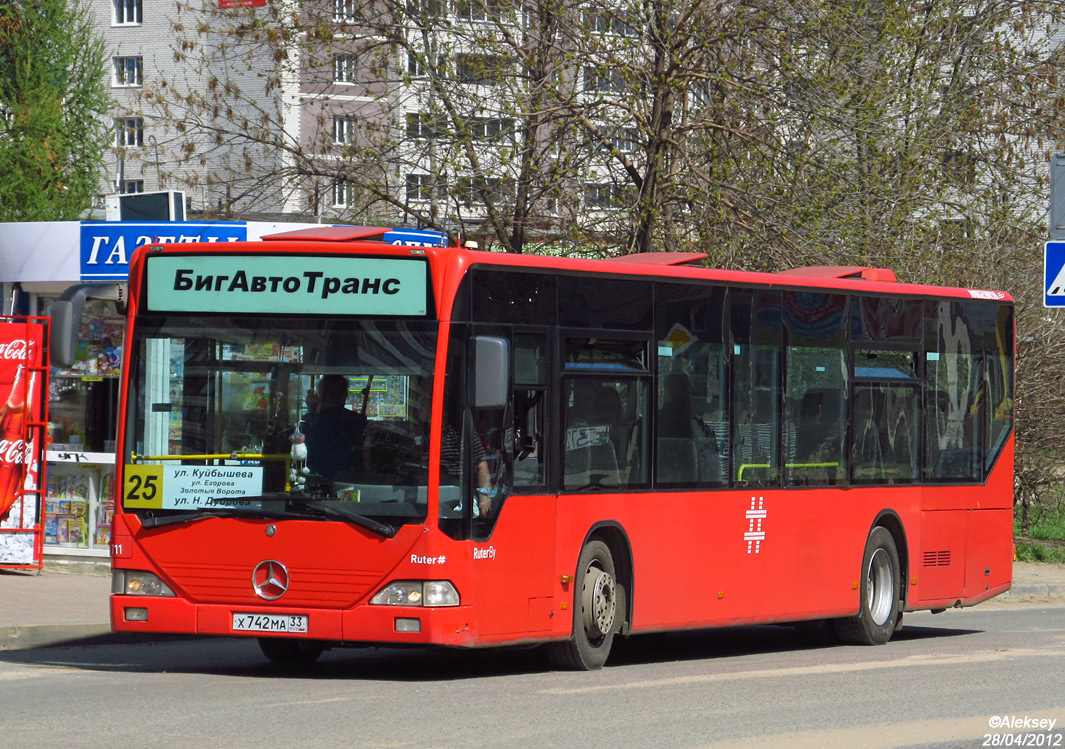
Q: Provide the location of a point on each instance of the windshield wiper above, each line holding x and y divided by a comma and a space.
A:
310, 508
153, 521
342, 512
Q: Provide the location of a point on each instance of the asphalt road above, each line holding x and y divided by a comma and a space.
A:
947, 680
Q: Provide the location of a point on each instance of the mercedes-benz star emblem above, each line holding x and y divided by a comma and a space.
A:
270, 579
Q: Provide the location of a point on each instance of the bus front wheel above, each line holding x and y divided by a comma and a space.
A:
595, 610
879, 589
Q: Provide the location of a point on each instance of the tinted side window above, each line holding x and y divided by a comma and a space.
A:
605, 402
756, 323
691, 425
885, 416
618, 303
512, 297
969, 395
886, 319
815, 388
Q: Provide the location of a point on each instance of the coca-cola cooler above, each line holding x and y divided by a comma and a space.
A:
23, 423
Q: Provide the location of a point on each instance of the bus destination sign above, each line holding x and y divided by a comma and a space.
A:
287, 284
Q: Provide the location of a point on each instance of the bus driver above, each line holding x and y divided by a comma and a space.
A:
334, 433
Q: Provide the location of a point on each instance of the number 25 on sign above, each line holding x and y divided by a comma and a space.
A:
142, 487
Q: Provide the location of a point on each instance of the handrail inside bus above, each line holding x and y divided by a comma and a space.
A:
745, 466
214, 456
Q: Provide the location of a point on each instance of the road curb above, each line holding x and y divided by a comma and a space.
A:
18, 637
31, 637
1041, 590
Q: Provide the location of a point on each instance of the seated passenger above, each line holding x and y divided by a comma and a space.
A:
334, 434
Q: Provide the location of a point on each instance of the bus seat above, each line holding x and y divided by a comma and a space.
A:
591, 465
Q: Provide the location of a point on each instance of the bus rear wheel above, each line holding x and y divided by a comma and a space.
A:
595, 612
879, 590
289, 651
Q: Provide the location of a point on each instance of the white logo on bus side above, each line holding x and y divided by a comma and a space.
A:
484, 553
422, 559
755, 534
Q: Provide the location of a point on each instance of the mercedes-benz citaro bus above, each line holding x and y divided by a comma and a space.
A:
348, 436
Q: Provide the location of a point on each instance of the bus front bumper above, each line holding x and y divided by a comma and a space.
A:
449, 626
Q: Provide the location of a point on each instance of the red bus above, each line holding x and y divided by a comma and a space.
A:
332, 440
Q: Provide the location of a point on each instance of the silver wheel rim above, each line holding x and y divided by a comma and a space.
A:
598, 602
880, 588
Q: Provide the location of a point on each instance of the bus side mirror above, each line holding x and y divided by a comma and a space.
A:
490, 378
66, 318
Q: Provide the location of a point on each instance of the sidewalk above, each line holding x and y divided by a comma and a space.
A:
37, 610
50, 608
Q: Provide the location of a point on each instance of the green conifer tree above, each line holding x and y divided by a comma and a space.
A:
53, 98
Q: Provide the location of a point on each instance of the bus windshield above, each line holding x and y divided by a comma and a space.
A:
294, 416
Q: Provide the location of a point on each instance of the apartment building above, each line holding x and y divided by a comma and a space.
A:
158, 83
338, 122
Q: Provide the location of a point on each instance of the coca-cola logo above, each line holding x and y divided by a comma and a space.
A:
13, 451
20, 349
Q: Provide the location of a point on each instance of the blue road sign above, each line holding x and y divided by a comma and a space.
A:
1054, 275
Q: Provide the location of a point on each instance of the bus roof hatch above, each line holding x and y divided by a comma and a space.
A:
843, 271
660, 258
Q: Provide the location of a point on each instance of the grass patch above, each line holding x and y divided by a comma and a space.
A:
1045, 541
1045, 522
1033, 551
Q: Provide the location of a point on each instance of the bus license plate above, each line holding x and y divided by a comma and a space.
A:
269, 622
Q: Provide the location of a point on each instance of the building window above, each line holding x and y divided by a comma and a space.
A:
482, 190
416, 65
490, 128
624, 139
607, 195
423, 8
343, 193
129, 132
127, 12
128, 71
343, 131
420, 188
479, 10
604, 80
480, 70
423, 126
344, 68
599, 21
343, 11
131, 185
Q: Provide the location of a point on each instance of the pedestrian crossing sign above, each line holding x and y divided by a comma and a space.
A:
1054, 275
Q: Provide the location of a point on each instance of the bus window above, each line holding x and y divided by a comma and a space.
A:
691, 425
998, 375
885, 417
815, 388
814, 416
756, 322
955, 401
886, 318
605, 400
530, 390
756, 406
601, 450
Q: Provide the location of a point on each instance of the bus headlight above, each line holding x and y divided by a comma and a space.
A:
417, 593
138, 583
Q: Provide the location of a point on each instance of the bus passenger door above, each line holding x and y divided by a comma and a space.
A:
511, 547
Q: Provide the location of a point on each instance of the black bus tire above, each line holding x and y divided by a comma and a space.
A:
595, 612
879, 593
